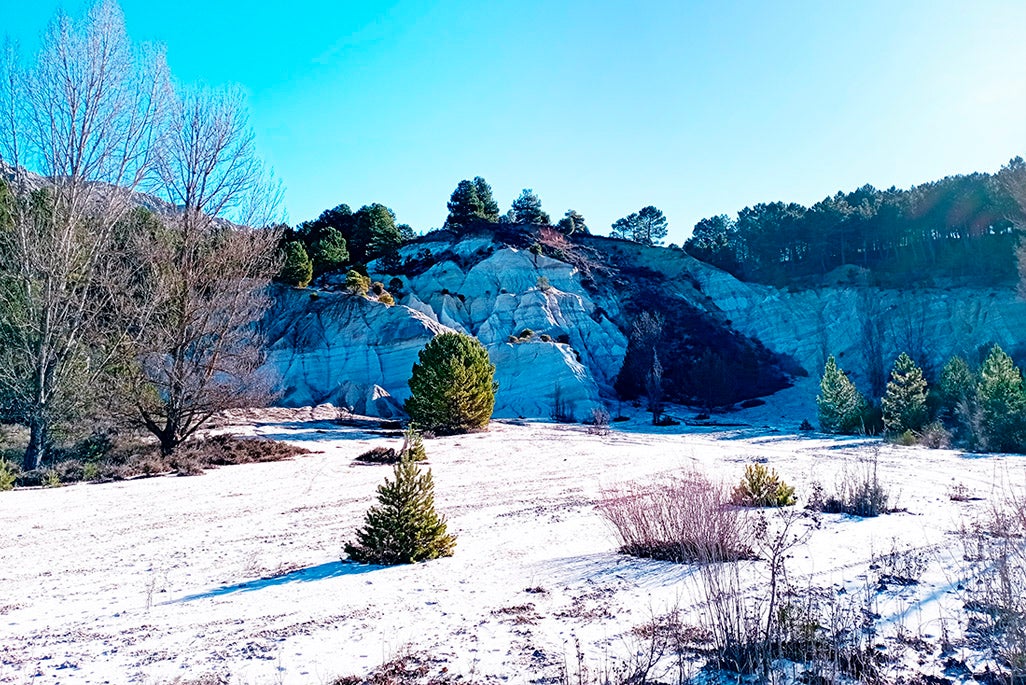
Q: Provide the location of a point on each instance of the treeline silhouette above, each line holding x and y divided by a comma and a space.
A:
960, 227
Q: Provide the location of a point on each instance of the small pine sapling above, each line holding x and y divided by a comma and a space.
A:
762, 487
404, 527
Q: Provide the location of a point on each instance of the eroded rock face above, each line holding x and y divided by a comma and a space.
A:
865, 327
328, 346
351, 351
335, 347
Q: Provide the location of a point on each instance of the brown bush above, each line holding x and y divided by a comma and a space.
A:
133, 459
685, 519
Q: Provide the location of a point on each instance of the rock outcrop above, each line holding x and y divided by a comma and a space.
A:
558, 339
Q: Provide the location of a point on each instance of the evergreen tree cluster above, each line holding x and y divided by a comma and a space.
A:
337, 238
960, 227
981, 409
471, 203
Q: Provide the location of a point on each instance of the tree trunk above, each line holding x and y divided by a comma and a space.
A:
39, 437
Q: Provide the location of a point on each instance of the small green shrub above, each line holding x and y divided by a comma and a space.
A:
377, 287
386, 298
762, 487
546, 338
526, 334
906, 439
357, 283
8, 475
51, 479
413, 446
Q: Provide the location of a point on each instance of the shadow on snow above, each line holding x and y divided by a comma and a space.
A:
331, 569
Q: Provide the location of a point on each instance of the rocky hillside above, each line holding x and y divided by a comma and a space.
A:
556, 318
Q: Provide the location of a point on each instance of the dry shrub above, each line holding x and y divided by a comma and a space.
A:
130, 458
402, 670
859, 493
228, 450
996, 548
684, 519
379, 455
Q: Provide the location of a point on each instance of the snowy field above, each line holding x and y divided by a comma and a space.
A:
236, 573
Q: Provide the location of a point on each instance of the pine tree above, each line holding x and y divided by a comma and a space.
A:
296, 268
1002, 401
465, 206
646, 226
572, 223
651, 226
404, 527
841, 406
527, 209
452, 386
330, 251
958, 406
904, 402
489, 207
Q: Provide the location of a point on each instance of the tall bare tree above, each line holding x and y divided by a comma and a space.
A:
86, 117
214, 255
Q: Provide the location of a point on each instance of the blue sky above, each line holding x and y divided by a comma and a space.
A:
697, 108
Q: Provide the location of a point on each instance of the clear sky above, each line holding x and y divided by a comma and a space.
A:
697, 108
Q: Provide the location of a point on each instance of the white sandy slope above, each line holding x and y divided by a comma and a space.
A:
237, 573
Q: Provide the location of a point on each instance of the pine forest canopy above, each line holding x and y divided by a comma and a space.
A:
962, 226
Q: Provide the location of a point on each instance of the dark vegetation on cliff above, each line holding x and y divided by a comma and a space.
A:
960, 228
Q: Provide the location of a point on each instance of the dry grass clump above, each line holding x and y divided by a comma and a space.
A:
859, 492
684, 519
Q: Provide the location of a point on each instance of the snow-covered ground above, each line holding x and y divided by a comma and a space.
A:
237, 572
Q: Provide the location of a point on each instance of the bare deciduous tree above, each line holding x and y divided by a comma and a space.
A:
86, 117
200, 352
